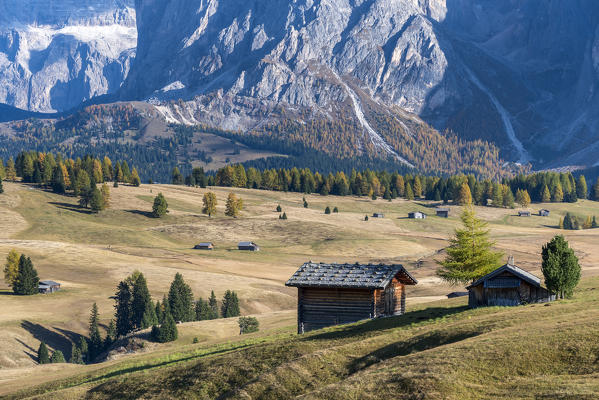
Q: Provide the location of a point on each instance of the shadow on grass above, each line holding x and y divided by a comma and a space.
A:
387, 323
432, 205
32, 353
71, 207
58, 341
147, 214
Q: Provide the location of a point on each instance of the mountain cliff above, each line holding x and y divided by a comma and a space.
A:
56, 54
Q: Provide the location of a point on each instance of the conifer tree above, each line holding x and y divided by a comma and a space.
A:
180, 299
508, 197
43, 356
523, 198
123, 309
327, 210
594, 223
95, 340
159, 312
588, 223
177, 177
497, 195
279, 209
168, 330
213, 305
230, 305
58, 182
558, 194
140, 301
27, 281
409, 193
305, 204
11, 268
417, 189
135, 180
149, 318
464, 196
284, 216
76, 356
233, 205
96, 202
57, 357
560, 267
469, 256
545, 196
105, 196
581, 187
335, 210
595, 191
111, 334
248, 325
210, 203
366, 218
160, 207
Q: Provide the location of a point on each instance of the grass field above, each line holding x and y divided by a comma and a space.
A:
439, 345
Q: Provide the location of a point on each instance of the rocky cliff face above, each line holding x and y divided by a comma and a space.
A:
56, 54
522, 74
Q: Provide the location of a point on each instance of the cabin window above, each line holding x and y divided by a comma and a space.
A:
502, 282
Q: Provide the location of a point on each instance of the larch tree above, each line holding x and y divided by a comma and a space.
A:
470, 255
523, 198
96, 202
595, 191
560, 267
464, 196
210, 203
581, 187
545, 195
11, 268
105, 195
233, 205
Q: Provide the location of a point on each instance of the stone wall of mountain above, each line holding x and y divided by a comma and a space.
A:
56, 54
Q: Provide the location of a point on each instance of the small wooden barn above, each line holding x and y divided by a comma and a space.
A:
378, 215
524, 213
331, 294
508, 286
248, 246
544, 213
443, 212
204, 246
46, 287
416, 215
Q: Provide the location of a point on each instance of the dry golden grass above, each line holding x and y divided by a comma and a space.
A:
90, 254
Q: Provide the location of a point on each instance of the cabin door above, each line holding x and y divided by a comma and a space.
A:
389, 293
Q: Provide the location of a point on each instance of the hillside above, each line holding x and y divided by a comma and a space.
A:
89, 254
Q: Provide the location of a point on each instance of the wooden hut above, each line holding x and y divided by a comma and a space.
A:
544, 213
331, 294
204, 246
443, 212
248, 246
416, 215
378, 215
508, 286
524, 213
46, 287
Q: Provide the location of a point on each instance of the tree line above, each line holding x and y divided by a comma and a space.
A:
462, 189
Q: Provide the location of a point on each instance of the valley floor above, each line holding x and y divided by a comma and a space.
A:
438, 350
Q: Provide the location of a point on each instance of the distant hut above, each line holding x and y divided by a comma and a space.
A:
204, 246
524, 213
378, 215
46, 287
416, 215
331, 294
443, 212
508, 286
544, 213
248, 246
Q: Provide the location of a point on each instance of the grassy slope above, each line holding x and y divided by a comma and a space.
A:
443, 351
89, 254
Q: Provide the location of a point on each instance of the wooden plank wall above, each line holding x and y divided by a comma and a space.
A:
318, 308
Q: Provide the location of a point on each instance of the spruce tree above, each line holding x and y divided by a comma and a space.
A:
58, 183
160, 207
180, 299
230, 305
594, 223
42, 354
123, 309
167, 332
508, 197
279, 209
27, 281
95, 340
111, 334
212, 302
305, 204
497, 195
57, 357
469, 256
409, 193
140, 300
84, 348
1, 186
558, 194
595, 191
327, 210
560, 267
76, 356
96, 202
248, 325
335, 211
284, 216
149, 318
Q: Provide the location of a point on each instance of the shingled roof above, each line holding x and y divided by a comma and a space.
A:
361, 276
517, 271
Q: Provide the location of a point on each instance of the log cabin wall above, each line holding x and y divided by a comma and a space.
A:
322, 307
